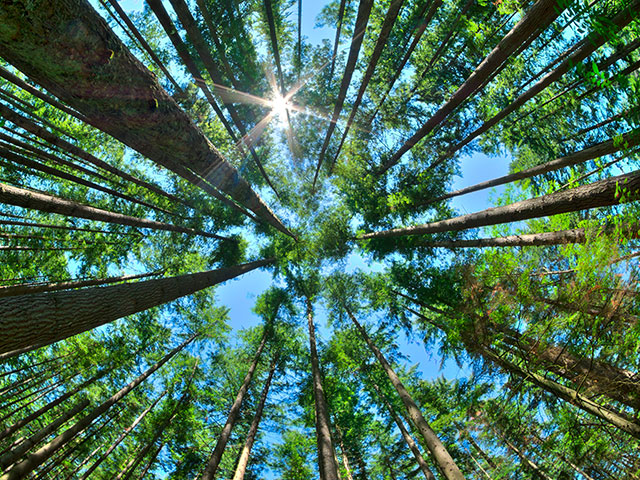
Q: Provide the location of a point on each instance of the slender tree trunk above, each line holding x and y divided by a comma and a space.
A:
628, 140
326, 451
539, 16
34, 460
29, 367
443, 459
26, 289
426, 471
343, 455
64, 227
167, 135
610, 416
594, 41
52, 204
537, 471
336, 42
362, 20
53, 316
19, 450
385, 30
216, 456
122, 436
253, 429
151, 461
32, 416
602, 193
561, 237
479, 449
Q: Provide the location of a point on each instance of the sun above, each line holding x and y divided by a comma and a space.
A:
280, 107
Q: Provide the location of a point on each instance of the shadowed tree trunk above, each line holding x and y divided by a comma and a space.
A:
52, 204
44, 318
253, 429
602, 193
216, 456
364, 10
326, 452
34, 460
336, 42
535, 20
439, 452
116, 93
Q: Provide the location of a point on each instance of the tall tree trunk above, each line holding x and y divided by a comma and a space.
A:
151, 461
137, 111
64, 227
52, 204
19, 450
34, 460
594, 41
26, 289
336, 42
326, 451
385, 30
535, 20
44, 318
362, 20
608, 147
253, 429
561, 237
528, 463
602, 193
610, 416
216, 456
122, 436
426, 471
439, 452
10, 430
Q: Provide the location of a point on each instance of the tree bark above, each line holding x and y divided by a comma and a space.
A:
122, 436
326, 452
336, 42
45, 318
561, 237
439, 452
34, 460
539, 16
26, 289
537, 471
52, 204
97, 76
216, 456
426, 471
253, 429
594, 41
362, 19
602, 193
385, 30
628, 140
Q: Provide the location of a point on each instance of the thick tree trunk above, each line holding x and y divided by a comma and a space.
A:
594, 41
253, 429
362, 20
561, 237
385, 30
326, 452
34, 460
52, 204
216, 456
100, 78
122, 436
45, 318
426, 471
602, 193
26, 289
539, 16
629, 140
439, 452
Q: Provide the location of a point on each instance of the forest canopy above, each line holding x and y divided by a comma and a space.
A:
151, 151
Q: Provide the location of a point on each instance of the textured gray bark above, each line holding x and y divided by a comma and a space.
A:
216, 456
34, 460
97, 75
602, 193
326, 451
45, 318
536, 19
561, 237
44, 202
443, 459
